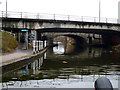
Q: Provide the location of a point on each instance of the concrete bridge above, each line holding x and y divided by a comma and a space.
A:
16, 20
37, 24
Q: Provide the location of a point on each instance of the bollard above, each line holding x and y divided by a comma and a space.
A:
33, 46
37, 46
45, 43
40, 45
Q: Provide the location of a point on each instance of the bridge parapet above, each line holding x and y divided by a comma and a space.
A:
27, 15
38, 21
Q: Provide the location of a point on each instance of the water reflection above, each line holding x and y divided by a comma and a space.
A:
59, 49
80, 70
66, 45
88, 52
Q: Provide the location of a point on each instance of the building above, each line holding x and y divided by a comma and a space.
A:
119, 10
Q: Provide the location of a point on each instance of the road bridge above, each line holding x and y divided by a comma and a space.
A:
16, 20
45, 23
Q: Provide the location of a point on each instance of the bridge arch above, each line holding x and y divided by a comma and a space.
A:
79, 40
105, 34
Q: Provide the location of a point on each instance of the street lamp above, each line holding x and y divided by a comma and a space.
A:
99, 10
6, 8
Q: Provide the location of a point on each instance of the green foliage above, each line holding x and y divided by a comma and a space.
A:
9, 43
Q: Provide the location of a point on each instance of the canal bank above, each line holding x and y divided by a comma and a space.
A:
18, 56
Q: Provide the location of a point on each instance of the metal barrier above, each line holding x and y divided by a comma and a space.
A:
38, 45
11, 14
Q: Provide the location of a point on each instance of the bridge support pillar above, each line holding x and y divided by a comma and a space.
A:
19, 36
26, 39
38, 36
90, 39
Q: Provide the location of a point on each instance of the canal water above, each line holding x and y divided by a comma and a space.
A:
66, 66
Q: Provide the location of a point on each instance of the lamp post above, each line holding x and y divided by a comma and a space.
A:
99, 10
6, 8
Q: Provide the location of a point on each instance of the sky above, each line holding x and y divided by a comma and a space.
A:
109, 8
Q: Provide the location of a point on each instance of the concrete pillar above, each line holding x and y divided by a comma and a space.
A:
34, 34
38, 36
26, 39
89, 39
19, 36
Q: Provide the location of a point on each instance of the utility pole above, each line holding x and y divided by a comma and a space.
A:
119, 10
6, 8
99, 10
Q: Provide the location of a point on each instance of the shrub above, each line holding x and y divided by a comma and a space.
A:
9, 43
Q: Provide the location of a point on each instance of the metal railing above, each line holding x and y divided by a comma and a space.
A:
46, 16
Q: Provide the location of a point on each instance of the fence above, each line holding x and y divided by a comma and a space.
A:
38, 45
57, 17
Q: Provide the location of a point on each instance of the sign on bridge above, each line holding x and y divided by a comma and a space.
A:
24, 30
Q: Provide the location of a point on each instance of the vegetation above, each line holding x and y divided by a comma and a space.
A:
9, 43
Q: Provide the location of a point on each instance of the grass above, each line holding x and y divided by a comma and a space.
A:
9, 43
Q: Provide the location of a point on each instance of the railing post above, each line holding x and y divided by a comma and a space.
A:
68, 17
106, 20
82, 18
2, 13
54, 16
94, 19
37, 16
21, 14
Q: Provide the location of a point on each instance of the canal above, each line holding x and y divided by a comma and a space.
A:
66, 66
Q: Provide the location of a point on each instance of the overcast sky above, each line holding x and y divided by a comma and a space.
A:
109, 8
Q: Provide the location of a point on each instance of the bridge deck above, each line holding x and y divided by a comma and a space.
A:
59, 21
